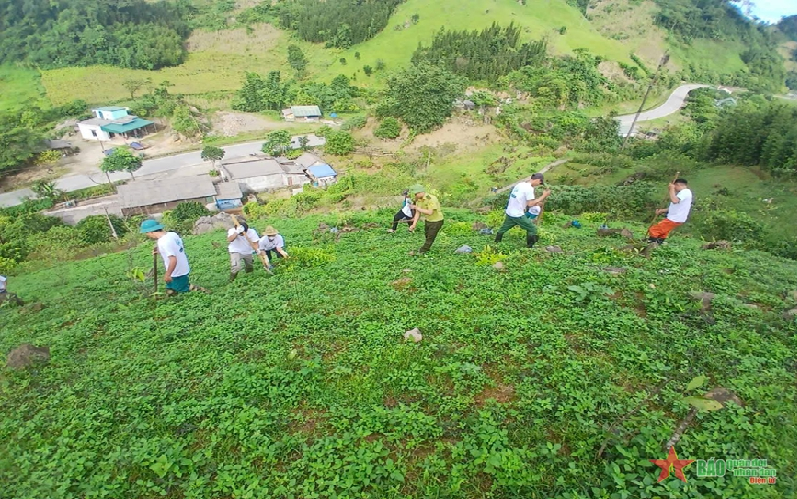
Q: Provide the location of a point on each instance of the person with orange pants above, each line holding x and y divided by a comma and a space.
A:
675, 215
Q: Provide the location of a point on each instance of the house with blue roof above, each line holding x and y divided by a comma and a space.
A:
322, 175
110, 122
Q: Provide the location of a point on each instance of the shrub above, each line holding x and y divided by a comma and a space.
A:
255, 211
189, 210
323, 131
339, 143
459, 229
95, 229
308, 257
389, 128
354, 123
730, 225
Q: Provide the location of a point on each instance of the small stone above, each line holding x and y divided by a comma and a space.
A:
627, 233
723, 396
499, 266
790, 314
479, 226
414, 335
615, 270
717, 245
464, 249
553, 249
27, 355
750, 305
703, 297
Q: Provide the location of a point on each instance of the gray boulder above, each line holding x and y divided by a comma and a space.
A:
27, 355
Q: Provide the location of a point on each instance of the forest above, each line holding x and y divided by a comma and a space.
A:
481, 56
129, 33
338, 23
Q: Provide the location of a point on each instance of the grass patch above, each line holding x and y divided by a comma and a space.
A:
21, 87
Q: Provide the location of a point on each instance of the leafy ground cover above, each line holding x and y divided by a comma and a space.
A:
301, 385
19, 87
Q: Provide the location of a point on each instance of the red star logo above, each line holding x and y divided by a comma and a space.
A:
672, 462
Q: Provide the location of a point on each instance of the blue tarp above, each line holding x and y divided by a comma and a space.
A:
322, 170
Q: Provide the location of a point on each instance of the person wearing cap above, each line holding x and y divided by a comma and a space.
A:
405, 214
521, 200
427, 205
272, 244
675, 215
172, 251
243, 244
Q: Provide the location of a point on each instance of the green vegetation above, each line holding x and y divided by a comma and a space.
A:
277, 142
136, 34
120, 160
20, 87
249, 393
339, 143
389, 128
212, 154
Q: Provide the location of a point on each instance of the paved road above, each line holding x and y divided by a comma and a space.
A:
151, 168
674, 104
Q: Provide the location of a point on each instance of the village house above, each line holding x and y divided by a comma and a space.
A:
110, 122
322, 175
302, 113
262, 173
146, 197
228, 196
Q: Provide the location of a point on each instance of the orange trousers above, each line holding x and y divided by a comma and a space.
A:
662, 229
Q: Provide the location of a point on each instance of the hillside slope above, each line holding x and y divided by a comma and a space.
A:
300, 385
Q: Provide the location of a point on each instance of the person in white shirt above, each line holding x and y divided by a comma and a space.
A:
3, 284
242, 247
675, 215
405, 214
272, 244
520, 201
171, 250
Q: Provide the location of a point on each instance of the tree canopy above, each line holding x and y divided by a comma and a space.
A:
421, 96
129, 33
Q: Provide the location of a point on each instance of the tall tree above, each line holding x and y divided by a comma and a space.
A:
277, 142
212, 154
421, 96
120, 160
297, 60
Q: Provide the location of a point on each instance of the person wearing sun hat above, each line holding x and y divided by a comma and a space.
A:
429, 206
172, 251
272, 244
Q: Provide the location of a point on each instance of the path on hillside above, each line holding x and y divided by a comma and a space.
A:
151, 168
674, 104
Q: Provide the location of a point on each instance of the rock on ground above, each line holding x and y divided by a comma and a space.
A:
207, 224
413, 334
703, 297
553, 249
27, 355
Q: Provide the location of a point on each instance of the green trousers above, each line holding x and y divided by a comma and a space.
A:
524, 222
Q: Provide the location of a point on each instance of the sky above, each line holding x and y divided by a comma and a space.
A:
773, 10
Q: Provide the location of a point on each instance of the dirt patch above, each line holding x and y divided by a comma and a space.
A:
306, 421
613, 71
401, 284
466, 132
503, 394
234, 41
229, 124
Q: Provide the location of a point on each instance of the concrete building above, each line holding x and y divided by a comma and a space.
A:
145, 197
262, 173
322, 175
302, 113
228, 196
109, 122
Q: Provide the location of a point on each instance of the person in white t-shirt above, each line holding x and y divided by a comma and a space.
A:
171, 250
405, 214
272, 245
520, 201
3, 281
675, 215
242, 247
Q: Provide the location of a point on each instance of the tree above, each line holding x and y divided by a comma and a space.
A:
343, 61
303, 141
120, 160
357, 55
248, 98
18, 144
183, 122
390, 128
133, 86
368, 70
212, 154
421, 96
277, 142
45, 189
380, 65
339, 143
297, 60
273, 92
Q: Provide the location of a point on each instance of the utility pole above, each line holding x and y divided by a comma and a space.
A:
664, 60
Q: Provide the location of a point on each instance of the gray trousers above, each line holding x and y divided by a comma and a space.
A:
239, 260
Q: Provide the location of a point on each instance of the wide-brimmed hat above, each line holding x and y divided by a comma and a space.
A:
270, 231
415, 189
150, 226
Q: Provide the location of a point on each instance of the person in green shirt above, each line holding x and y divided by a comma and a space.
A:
429, 206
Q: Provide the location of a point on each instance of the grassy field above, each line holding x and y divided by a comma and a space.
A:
550, 379
19, 86
217, 62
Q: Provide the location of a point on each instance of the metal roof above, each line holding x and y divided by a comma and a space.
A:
307, 159
94, 122
228, 190
148, 192
306, 111
110, 108
322, 170
59, 144
256, 168
125, 125
292, 168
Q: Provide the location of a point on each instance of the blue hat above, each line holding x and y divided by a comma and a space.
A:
150, 226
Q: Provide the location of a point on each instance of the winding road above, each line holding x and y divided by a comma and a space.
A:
674, 104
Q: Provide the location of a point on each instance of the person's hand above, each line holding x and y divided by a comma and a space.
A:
671, 186
167, 278
239, 229
661, 210
546, 192
155, 250
412, 228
